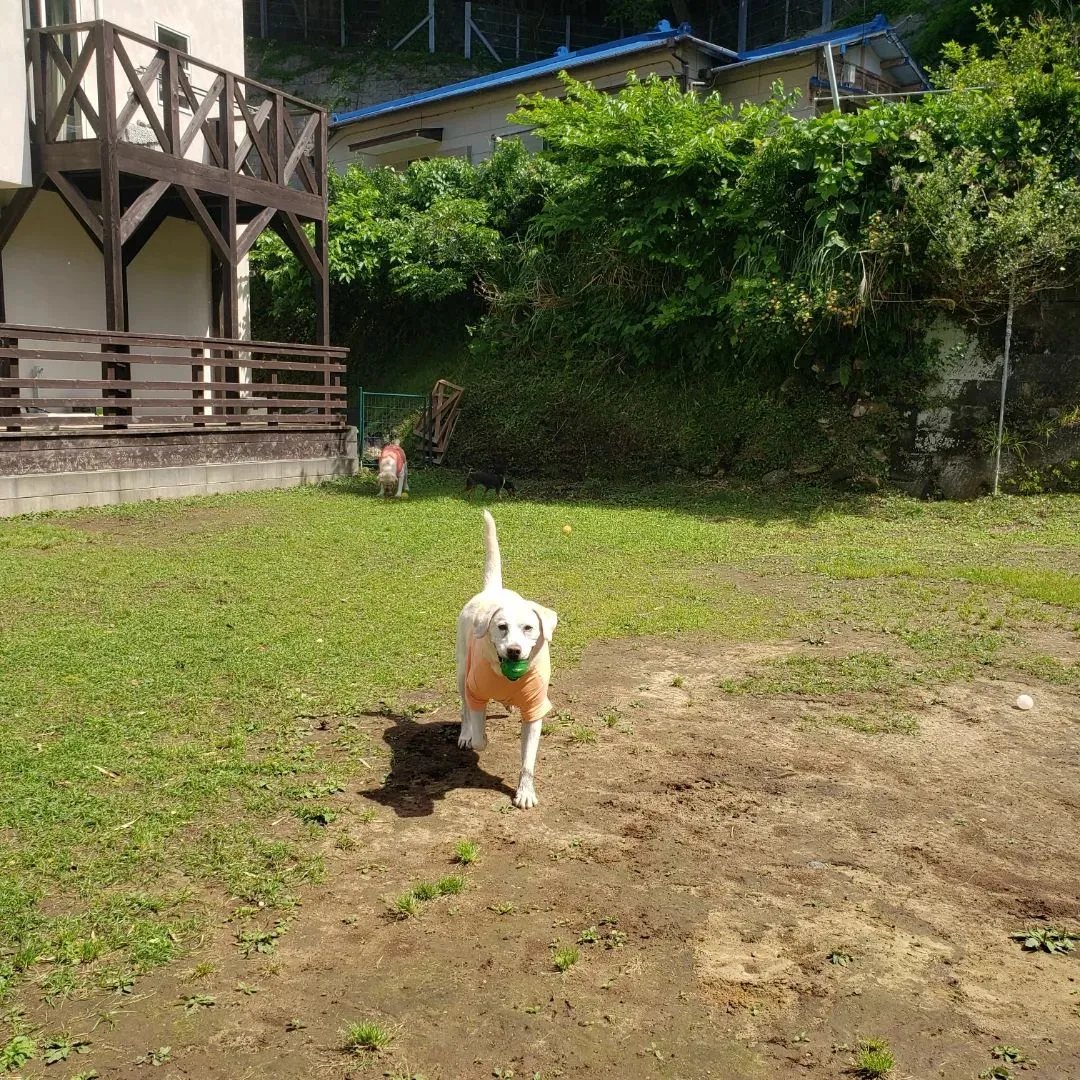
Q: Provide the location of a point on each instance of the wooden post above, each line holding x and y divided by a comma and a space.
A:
230, 279
322, 250
517, 37
197, 376
277, 133
744, 18
567, 32
37, 68
826, 15
431, 26
112, 249
171, 104
468, 30
264, 21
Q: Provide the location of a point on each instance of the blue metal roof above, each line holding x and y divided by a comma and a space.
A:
561, 61
848, 36
877, 32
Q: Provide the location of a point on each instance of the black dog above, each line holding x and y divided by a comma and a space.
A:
489, 481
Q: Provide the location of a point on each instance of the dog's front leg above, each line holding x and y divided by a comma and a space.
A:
401, 481
473, 728
526, 799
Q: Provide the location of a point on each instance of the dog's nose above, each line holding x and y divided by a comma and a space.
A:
513, 652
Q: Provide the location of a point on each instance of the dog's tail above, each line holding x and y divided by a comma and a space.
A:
492, 558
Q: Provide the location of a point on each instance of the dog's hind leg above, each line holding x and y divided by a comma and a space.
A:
526, 799
402, 481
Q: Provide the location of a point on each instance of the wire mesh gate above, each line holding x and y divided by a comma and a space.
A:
383, 417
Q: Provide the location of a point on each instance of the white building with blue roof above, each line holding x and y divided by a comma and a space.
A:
840, 68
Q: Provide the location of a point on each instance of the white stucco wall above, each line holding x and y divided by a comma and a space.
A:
215, 28
52, 271
53, 277
14, 135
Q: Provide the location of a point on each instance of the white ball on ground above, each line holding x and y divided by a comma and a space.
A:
1025, 702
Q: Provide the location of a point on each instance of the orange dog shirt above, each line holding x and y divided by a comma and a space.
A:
485, 682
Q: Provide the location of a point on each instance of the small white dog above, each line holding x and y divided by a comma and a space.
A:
503, 655
393, 470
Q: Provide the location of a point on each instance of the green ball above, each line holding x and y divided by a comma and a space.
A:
514, 669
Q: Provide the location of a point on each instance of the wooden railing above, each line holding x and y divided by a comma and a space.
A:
222, 382
94, 81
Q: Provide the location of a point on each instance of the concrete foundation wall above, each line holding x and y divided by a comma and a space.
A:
68, 472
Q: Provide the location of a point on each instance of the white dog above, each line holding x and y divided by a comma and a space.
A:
393, 470
497, 630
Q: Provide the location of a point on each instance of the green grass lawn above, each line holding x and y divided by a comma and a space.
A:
159, 663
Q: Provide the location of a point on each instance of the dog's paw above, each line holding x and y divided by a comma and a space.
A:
525, 799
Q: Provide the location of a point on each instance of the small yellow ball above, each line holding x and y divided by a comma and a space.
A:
566, 529
404, 494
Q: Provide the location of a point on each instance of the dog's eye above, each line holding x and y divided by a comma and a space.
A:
527, 629
503, 627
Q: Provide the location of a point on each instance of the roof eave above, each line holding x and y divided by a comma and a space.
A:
569, 62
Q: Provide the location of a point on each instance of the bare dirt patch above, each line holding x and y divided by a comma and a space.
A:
708, 853
170, 524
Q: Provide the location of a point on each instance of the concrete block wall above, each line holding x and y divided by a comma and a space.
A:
30, 491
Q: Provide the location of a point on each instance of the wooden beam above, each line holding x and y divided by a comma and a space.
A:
139, 90
141, 234
112, 250
171, 102
230, 278
136, 213
37, 82
201, 215
298, 144
156, 165
254, 135
78, 204
14, 212
60, 60
300, 148
133, 104
77, 386
198, 119
253, 231
298, 243
230, 297
278, 148
322, 245
74, 83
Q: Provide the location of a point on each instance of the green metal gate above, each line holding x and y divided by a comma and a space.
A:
384, 416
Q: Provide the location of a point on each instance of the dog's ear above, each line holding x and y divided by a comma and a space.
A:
482, 621
548, 620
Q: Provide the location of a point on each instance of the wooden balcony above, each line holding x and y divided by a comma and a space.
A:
128, 132
157, 383
166, 115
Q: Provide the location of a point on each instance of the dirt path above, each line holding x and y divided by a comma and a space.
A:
721, 847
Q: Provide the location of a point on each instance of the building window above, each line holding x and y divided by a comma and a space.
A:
172, 39
52, 13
